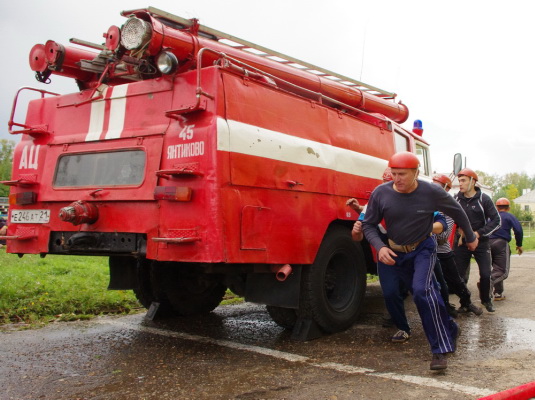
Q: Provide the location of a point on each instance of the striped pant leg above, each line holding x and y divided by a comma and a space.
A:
437, 324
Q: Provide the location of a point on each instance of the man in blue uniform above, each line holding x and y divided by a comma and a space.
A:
499, 246
407, 205
394, 291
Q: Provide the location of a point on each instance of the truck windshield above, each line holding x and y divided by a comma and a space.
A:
116, 168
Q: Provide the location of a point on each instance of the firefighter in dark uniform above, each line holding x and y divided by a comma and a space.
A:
408, 207
484, 219
446, 257
499, 246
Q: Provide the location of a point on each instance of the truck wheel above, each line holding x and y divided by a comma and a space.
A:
284, 317
147, 292
334, 286
191, 291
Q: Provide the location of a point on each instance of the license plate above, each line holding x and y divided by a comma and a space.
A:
30, 216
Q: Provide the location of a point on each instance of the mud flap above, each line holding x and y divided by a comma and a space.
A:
152, 312
123, 274
266, 289
306, 329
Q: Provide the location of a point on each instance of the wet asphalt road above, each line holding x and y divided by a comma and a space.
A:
237, 352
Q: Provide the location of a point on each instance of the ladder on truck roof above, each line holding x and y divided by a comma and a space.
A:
261, 51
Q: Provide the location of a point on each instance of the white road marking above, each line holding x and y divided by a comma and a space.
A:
430, 382
348, 369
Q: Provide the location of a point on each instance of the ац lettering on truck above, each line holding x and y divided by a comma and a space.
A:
199, 162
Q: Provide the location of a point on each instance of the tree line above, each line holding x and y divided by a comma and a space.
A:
510, 185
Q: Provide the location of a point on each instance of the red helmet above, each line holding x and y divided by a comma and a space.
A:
503, 202
467, 172
443, 180
387, 175
404, 159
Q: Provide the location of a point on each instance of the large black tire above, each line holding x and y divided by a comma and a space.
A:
148, 289
334, 286
284, 317
189, 290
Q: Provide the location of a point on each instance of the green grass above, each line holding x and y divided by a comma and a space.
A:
528, 244
36, 290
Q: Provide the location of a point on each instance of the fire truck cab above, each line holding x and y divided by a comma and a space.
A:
197, 162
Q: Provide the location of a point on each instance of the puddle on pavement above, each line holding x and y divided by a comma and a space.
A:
497, 335
246, 323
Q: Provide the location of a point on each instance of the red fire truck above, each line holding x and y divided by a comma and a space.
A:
198, 162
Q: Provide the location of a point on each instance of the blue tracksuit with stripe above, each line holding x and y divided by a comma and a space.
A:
409, 218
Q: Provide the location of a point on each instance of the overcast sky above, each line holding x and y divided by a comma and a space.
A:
465, 68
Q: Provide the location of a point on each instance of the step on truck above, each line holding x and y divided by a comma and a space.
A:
200, 162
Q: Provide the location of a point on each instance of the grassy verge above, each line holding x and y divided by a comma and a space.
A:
36, 290
528, 244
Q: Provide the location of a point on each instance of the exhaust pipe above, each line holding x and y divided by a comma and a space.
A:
281, 271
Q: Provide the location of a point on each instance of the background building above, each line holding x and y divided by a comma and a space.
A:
527, 201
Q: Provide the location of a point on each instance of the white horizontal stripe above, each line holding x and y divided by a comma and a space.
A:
237, 137
434, 383
348, 369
